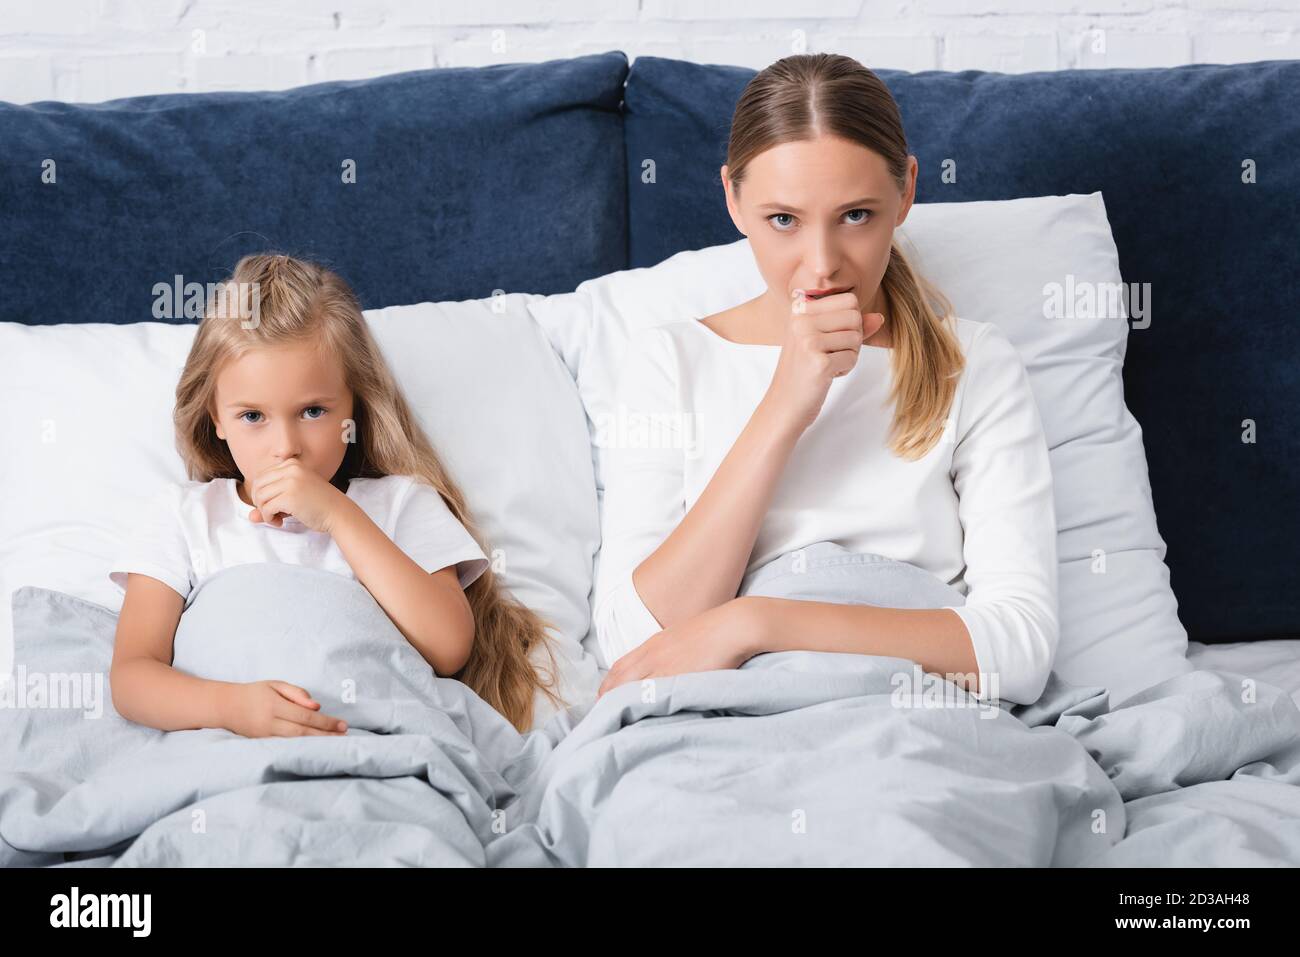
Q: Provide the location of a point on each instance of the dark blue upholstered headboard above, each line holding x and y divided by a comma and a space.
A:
466, 180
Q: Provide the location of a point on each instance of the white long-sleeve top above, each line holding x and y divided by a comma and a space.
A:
976, 511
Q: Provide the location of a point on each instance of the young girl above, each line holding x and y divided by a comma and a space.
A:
301, 448
844, 405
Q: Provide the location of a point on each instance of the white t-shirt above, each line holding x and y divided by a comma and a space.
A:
976, 511
193, 530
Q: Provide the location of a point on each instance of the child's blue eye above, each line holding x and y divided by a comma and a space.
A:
322, 410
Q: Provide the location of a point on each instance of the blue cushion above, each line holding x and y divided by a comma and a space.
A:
1165, 147
467, 180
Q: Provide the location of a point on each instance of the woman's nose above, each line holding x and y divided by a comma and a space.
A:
822, 257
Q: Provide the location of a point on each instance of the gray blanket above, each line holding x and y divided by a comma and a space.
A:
796, 758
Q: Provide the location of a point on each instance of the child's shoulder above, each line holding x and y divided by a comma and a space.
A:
387, 498
175, 502
180, 494
385, 482
387, 490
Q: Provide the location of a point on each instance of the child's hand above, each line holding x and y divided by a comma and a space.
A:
291, 488
263, 709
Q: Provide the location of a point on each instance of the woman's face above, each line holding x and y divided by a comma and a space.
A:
280, 402
820, 215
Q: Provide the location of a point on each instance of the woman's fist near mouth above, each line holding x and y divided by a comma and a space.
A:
822, 342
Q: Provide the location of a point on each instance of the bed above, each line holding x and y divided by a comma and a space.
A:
796, 759
1168, 733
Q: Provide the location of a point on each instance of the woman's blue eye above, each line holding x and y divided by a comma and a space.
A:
783, 222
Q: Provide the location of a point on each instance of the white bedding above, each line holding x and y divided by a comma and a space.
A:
1276, 661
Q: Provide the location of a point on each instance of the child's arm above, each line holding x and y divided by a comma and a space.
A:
429, 609
148, 690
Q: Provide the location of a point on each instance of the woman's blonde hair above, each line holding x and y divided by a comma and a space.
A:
801, 97
278, 299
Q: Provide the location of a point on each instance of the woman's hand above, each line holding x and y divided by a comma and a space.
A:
291, 488
822, 342
725, 636
263, 709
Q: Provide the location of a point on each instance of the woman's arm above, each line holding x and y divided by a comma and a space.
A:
1007, 630
430, 610
935, 638
729, 635
701, 563
1001, 642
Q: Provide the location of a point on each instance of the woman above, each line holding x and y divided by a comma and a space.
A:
845, 404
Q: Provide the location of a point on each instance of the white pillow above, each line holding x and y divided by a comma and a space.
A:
87, 439
507, 422
994, 260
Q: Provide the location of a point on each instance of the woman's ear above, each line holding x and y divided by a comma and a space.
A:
909, 194
732, 209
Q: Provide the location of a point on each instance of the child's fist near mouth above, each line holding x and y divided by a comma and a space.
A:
293, 489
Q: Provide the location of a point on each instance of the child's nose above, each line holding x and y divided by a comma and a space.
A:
287, 446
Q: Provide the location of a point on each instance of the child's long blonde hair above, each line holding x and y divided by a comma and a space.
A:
297, 301
798, 97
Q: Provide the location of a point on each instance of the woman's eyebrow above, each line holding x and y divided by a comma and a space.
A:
791, 209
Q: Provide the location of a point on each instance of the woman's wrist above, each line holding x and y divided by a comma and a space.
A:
774, 421
750, 631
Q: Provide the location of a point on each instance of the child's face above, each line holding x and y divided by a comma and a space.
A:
284, 401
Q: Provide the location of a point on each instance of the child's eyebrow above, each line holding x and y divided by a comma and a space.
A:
302, 402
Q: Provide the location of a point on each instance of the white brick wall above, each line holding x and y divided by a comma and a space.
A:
94, 50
